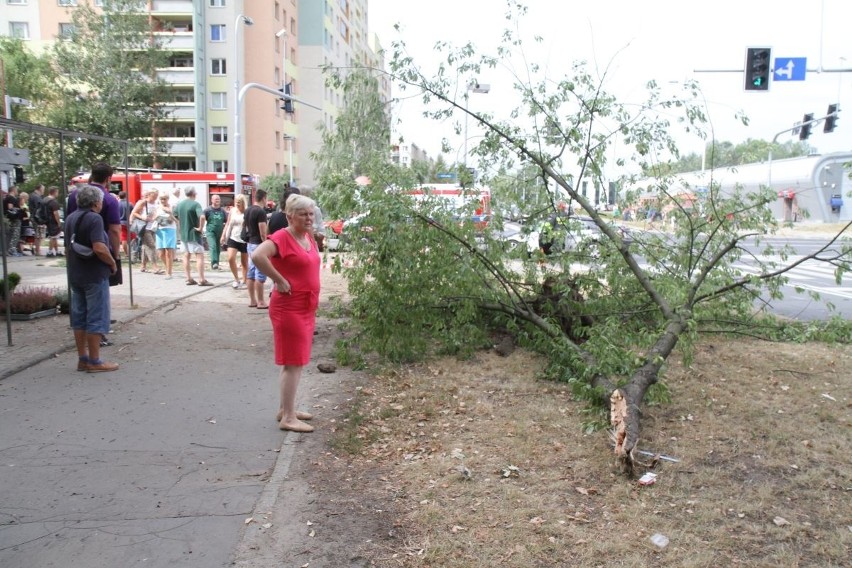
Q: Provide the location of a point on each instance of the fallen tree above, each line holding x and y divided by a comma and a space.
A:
607, 311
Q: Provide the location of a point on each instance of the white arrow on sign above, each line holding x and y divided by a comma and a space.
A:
786, 70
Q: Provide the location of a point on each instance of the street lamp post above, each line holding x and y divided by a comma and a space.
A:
475, 87
282, 34
238, 177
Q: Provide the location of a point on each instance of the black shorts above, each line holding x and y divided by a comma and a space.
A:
242, 247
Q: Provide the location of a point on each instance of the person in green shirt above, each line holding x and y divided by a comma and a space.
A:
191, 223
214, 217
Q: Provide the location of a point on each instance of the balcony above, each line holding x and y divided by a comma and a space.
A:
179, 146
182, 41
171, 7
180, 111
177, 75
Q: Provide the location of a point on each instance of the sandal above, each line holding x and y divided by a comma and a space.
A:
144, 270
205, 283
161, 271
252, 305
191, 282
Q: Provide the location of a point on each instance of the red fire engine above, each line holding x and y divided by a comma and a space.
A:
206, 184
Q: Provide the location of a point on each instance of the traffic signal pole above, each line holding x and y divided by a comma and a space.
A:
238, 180
805, 124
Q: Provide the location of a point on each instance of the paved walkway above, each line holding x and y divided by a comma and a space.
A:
162, 462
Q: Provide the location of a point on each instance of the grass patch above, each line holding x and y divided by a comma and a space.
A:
484, 465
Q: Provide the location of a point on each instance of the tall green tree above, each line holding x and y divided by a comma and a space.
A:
357, 146
108, 86
607, 313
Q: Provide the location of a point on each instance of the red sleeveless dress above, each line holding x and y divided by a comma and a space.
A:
293, 315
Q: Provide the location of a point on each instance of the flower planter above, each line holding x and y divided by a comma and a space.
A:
32, 316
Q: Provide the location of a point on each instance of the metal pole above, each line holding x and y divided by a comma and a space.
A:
290, 141
8, 114
238, 178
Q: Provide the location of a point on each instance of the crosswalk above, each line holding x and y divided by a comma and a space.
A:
811, 275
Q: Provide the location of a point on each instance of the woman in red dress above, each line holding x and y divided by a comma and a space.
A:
289, 258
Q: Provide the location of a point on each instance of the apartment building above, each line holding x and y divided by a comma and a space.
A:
218, 45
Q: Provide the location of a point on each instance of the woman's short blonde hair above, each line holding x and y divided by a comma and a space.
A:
241, 199
298, 202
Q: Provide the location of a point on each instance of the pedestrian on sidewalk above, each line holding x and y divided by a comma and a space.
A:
145, 211
255, 230
13, 214
214, 219
166, 235
38, 223
232, 239
89, 279
54, 222
191, 223
291, 260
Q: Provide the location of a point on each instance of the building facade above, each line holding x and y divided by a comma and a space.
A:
219, 47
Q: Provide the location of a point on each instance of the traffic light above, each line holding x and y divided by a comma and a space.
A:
286, 101
805, 131
757, 68
831, 118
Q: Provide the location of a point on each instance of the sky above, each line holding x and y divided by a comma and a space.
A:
664, 40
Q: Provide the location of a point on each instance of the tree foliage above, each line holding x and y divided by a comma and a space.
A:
607, 313
105, 84
727, 154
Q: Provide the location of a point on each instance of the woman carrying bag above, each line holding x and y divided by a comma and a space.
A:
144, 218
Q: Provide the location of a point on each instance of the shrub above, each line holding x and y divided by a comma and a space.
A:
14, 280
29, 300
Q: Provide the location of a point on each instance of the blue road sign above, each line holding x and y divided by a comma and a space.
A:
445, 176
790, 68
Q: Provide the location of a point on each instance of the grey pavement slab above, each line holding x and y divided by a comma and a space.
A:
157, 464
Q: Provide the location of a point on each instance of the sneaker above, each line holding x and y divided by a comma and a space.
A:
102, 367
105, 342
59, 253
214, 266
242, 286
49, 254
235, 284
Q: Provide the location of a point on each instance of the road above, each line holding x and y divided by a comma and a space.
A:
809, 277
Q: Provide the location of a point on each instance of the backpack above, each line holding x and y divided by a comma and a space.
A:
42, 213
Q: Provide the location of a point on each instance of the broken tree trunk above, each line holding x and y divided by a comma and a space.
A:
625, 402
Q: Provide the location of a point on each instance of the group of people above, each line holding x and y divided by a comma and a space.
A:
29, 219
287, 256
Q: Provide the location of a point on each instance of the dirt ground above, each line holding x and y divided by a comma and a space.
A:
480, 463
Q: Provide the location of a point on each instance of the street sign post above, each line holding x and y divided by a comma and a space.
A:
790, 69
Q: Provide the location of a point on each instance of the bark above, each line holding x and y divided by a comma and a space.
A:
625, 402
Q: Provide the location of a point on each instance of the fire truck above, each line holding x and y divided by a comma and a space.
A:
206, 184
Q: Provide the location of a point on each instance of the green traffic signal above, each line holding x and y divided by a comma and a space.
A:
757, 68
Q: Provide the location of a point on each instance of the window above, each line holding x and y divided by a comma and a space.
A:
277, 9
217, 3
220, 134
18, 2
19, 30
218, 101
277, 140
67, 2
218, 67
66, 30
220, 166
217, 32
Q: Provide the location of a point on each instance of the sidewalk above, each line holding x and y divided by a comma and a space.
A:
37, 340
162, 462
